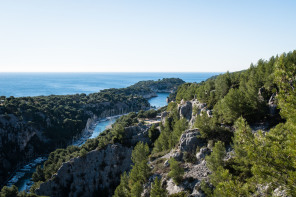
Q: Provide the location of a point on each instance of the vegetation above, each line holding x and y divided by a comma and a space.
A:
132, 184
170, 131
62, 118
147, 114
176, 171
262, 161
161, 85
59, 156
58, 118
157, 190
232, 95
13, 192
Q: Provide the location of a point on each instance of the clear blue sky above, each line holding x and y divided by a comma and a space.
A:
139, 36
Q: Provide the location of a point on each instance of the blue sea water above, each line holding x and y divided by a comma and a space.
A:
159, 101
36, 84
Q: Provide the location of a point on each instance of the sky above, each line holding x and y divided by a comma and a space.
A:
143, 36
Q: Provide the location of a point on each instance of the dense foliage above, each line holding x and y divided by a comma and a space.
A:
171, 130
164, 85
131, 185
13, 192
262, 162
176, 171
232, 95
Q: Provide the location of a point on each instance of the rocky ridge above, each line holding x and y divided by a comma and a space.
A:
98, 171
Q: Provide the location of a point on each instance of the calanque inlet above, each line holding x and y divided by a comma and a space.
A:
233, 134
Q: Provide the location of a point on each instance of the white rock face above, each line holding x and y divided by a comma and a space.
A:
98, 170
83, 176
189, 141
191, 109
172, 188
202, 153
194, 172
185, 110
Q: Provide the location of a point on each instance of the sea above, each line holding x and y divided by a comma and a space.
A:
36, 84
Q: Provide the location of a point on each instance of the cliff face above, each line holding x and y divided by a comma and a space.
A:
195, 169
98, 172
18, 141
22, 140
191, 109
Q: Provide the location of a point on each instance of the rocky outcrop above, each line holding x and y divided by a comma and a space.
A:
150, 88
97, 171
185, 110
164, 115
191, 109
18, 141
148, 95
189, 141
272, 104
203, 152
195, 170
135, 134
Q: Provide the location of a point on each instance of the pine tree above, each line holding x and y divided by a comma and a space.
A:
38, 175
157, 190
140, 153
122, 190
136, 189
243, 142
9, 191
176, 171
215, 160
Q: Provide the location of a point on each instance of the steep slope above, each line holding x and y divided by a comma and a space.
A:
31, 126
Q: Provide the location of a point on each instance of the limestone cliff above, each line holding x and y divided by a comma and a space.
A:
22, 140
195, 168
98, 172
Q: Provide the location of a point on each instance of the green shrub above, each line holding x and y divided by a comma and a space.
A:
176, 171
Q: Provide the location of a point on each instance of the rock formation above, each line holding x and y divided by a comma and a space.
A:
98, 172
195, 171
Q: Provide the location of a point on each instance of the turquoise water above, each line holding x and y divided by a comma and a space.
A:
159, 101
102, 125
36, 84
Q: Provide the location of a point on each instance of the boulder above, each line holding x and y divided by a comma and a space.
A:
134, 134
172, 188
197, 191
189, 141
176, 154
202, 153
185, 110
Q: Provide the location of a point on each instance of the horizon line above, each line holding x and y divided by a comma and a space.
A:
113, 72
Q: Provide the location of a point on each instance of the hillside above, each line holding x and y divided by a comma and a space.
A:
232, 135
31, 126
